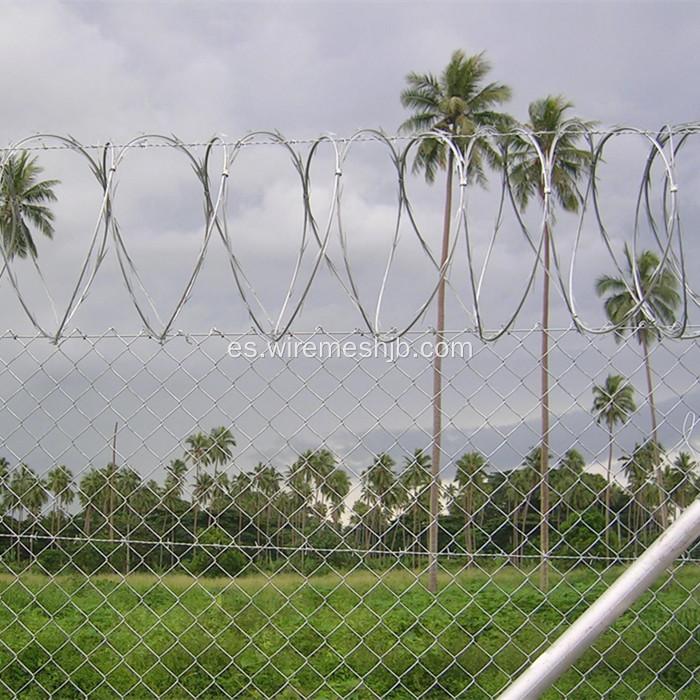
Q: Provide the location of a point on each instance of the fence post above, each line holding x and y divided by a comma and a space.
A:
545, 670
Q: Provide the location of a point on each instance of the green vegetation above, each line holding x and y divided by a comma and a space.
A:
298, 519
332, 636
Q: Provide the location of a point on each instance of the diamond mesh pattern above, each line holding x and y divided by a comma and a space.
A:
305, 574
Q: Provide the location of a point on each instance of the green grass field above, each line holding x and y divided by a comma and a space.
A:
361, 636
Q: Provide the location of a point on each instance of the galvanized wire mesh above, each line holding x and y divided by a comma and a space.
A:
246, 513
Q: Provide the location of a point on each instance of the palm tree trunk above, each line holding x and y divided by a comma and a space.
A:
415, 534
544, 454
468, 539
658, 475
515, 543
128, 546
524, 532
437, 385
608, 488
88, 519
54, 524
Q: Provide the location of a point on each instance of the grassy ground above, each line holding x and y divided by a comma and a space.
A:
357, 637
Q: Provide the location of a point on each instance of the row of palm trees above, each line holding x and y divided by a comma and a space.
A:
542, 161
275, 515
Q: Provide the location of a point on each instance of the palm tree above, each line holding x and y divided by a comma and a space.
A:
89, 493
28, 493
637, 304
266, 481
379, 493
454, 106
470, 478
220, 498
197, 453
58, 481
416, 479
240, 490
23, 200
548, 164
575, 494
337, 489
360, 522
613, 403
201, 495
128, 484
308, 480
221, 442
521, 490
639, 469
174, 487
682, 480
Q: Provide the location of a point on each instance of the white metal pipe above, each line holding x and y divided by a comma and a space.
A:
598, 618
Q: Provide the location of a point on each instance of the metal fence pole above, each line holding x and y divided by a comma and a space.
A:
619, 597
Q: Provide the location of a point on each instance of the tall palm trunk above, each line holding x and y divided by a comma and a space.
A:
437, 385
468, 535
544, 454
658, 474
608, 488
515, 544
88, 519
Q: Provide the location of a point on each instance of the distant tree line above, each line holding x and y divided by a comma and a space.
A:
300, 517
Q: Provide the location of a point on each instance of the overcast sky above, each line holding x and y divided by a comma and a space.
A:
107, 72
112, 70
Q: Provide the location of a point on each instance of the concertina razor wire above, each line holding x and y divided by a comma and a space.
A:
243, 511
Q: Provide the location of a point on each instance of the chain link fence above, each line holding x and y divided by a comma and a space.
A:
181, 521
248, 514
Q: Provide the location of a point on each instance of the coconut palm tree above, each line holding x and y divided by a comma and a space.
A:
174, 488
454, 106
337, 489
240, 489
637, 303
23, 205
266, 481
416, 479
197, 448
521, 489
613, 403
58, 482
575, 494
681, 479
470, 479
28, 494
308, 480
639, 469
128, 484
547, 164
201, 495
220, 499
379, 493
89, 495
324, 464
221, 442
